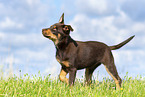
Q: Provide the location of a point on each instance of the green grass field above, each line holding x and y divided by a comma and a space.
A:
35, 86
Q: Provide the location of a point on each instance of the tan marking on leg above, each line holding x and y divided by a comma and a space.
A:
62, 76
58, 60
116, 81
65, 63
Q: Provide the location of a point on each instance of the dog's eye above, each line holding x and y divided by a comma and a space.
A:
54, 28
66, 28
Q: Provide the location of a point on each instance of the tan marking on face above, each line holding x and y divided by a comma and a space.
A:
59, 36
54, 27
65, 63
62, 76
57, 40
49, 34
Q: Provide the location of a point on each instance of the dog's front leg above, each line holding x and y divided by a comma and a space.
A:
72, 75
62, 75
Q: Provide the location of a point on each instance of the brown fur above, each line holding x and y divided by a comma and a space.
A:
75, 55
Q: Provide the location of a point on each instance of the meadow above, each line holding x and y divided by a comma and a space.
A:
38, 86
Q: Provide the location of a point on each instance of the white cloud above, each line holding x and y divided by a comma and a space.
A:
97, 7
29, 40
2, 35
32, 55
11, 60
53, 68
8, 23
110, 29
138, 27
32, 2
100, 5
95, 28
24, 16
130, 61
134, 9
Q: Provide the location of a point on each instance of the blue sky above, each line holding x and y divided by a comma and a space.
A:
22, 46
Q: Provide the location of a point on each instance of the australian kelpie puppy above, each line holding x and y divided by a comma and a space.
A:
75, 55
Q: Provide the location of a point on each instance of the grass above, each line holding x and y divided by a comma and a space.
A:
35, 86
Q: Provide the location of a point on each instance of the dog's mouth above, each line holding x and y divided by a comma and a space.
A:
47, 36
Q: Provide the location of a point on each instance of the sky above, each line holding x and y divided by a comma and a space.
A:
23, 47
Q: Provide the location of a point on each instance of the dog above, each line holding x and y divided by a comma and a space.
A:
75, 55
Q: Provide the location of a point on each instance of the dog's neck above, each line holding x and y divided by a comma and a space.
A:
64, 43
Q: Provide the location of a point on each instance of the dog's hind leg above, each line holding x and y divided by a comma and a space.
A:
111, 69
88, 74
62, 76
108, 62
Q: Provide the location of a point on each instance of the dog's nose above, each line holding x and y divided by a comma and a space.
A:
43, 30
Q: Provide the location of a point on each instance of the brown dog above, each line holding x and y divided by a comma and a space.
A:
75, 55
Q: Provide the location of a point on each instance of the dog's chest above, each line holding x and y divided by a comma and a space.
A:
63, 63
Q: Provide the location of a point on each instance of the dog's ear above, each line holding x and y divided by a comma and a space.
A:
70, 28
67, 29
61, 20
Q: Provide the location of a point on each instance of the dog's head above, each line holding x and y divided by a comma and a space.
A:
57, 31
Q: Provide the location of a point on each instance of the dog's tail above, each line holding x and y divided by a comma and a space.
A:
121, 44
